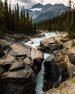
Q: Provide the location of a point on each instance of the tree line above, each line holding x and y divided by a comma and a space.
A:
16, 20
63, 22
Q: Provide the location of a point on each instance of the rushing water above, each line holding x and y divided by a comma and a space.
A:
35, 42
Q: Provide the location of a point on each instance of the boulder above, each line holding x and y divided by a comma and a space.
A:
17, 50
71, 65
51, 44
4, 47
20, 51
36, 54
7, 59
64, 39
52, 47
28, 61
17, 65
17, 74
71, 58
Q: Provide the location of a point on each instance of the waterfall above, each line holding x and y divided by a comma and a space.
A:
40, 77
35, 42
39, 80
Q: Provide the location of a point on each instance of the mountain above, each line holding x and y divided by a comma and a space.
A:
41, 12
37, 6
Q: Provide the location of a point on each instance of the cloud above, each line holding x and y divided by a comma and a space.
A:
26, 1
41, 1
29, 3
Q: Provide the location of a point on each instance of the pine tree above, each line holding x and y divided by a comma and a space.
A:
34, 27
2, 25
10, 17
6, 14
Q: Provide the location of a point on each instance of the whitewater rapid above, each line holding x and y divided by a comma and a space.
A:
35, 42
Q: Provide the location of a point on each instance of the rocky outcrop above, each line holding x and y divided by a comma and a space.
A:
19, 66
18, 50
4, 47
55, 70
51, 45
68, 87
61, 67
17, 86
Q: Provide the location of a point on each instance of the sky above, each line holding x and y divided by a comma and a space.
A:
29, 3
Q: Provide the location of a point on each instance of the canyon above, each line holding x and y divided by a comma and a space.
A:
36, 65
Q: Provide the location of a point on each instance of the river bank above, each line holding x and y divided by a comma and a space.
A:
35, 65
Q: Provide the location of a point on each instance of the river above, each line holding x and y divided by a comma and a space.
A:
35, 42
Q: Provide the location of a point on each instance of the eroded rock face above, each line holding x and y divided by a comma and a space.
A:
68, 87
18, 50
50, 45
4, 47
55, 70
52, 74
18, 69
17, 86
72, 58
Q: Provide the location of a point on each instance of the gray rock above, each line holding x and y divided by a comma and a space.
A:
28, 61
1, 70
16, 65
18, 74
72, 58
18, 51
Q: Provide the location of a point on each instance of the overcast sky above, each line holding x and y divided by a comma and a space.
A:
29, 3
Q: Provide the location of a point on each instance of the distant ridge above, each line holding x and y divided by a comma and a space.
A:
40, 12
38, 5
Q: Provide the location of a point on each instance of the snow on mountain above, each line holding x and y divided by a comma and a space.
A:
36, 9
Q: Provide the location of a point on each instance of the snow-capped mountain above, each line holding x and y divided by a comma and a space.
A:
41, 12
36, 9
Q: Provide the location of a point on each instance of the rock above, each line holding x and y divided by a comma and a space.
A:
71, 65
17, 86
42, 35
20, 51
51, 44
37, 65
61, 61
55, 70
28, 61
8, 59
17, 50
52, 47
4, 43
20, 39
17, 65
68, 87
52, 74
46, 42
36, 54
4, 47
72, 58
1, 70
17, 74
64, 39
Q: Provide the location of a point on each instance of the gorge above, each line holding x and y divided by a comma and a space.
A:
35, 65
47, 57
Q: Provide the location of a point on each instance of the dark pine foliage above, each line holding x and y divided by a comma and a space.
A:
15, 21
